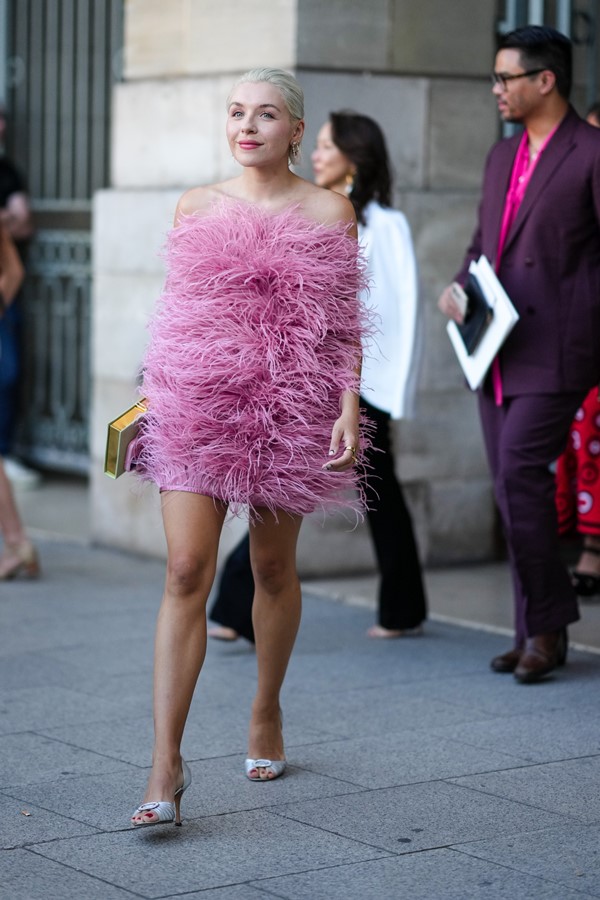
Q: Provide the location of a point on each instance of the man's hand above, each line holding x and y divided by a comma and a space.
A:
449, 305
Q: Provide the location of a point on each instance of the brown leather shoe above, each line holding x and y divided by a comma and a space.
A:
507, 662
542, 654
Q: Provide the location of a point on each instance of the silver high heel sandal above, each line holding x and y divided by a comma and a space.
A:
164, 809
275, 766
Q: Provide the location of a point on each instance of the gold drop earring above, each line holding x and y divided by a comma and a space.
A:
349, 183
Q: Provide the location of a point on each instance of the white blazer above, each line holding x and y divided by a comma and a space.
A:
391, 357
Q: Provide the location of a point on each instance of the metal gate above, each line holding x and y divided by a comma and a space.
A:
62, 58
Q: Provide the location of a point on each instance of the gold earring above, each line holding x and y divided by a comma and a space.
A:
349, 183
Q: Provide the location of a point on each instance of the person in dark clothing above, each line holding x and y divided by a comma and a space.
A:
18, 556
539, 225
15, 214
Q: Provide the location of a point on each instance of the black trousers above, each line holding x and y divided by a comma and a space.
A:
233, 604
402, 600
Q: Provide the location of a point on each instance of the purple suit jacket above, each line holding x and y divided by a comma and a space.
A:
550, 264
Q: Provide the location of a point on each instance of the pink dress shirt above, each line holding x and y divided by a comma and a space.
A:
523, 168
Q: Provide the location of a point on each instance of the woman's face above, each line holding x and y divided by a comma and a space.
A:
330, 165
259, 128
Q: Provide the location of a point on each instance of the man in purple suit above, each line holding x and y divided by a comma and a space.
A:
539, 225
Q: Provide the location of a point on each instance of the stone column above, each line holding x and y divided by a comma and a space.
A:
423, 76
168, 135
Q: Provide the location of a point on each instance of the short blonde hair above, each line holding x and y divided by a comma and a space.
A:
292, 93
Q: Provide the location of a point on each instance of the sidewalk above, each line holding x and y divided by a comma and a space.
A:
414, 772
472, 596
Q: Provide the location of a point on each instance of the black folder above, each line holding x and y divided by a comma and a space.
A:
477, 317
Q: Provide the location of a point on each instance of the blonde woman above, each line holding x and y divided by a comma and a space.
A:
252, 374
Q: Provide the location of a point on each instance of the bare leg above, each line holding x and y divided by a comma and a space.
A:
192, 525
18, 553
10, 520
275, 617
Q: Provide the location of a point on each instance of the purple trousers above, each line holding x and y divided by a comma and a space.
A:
522, 438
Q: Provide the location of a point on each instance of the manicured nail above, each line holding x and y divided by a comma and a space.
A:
331, 452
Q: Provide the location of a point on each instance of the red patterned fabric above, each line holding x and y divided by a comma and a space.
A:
578, 472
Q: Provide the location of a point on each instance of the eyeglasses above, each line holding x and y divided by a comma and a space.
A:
503, 80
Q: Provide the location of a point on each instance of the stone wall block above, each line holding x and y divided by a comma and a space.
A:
122, 307
192, 37
436, 37
463, 125
344, 34
461, 521
236, 35
166, 133
443, 440
442, 224
130, 229
155, 37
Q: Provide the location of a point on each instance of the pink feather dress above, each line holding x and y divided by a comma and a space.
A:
253, 341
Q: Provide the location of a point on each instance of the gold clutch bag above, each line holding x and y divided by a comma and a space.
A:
121, 432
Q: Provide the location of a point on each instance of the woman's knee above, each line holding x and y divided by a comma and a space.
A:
188, 573
273, 574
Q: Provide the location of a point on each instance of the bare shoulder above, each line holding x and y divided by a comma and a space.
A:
328, 207
193, 201
198, 200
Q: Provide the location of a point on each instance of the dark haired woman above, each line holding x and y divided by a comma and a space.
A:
351, 158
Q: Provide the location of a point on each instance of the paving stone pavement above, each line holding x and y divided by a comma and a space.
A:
414, 772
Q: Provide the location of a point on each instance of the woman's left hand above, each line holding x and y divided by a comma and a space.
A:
344, 435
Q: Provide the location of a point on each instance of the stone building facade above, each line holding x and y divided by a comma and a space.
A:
424, 76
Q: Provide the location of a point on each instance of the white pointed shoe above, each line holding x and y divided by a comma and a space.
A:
276, 767
164, 809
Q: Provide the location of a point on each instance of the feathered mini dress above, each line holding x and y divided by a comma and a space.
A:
252, 344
